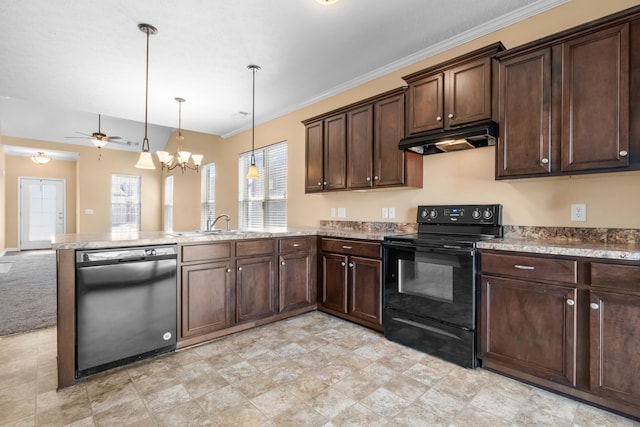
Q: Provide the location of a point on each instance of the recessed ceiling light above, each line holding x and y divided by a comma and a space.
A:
327, 1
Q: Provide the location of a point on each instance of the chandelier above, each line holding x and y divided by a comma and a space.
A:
184, 159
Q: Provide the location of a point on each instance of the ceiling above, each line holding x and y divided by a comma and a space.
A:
64, 62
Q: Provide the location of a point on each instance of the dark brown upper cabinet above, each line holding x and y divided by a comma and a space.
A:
359, 147
570, 103
452, 94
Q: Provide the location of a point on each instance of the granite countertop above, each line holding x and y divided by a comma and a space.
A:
563, 246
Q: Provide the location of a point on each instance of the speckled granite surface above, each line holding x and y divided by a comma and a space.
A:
622, 244
364, 230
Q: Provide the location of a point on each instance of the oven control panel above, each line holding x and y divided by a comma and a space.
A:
460, 214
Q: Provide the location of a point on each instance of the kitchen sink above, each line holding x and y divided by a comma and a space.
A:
206, 233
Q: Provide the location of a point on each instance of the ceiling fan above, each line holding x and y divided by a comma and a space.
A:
100, 139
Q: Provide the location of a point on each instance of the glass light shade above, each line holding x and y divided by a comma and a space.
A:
253, 172
145, 161
99, 142
40, 158
183, 156
197, 159
164, 156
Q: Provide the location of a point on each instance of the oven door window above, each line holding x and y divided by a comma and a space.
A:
427, 277
432, 283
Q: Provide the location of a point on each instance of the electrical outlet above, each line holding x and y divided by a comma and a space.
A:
392, 212
342, 212
578, 212
332, 212
385, 213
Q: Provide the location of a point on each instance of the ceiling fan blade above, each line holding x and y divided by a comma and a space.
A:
110, 138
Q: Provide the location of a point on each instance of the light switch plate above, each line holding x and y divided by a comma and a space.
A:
333, 212
385, 213
342, 212
392, 212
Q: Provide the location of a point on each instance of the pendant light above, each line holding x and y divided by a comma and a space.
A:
253, 170
145, 161
180, 157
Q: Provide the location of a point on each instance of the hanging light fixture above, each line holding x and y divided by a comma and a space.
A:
180, 158
40, 158
253, 170
145, 161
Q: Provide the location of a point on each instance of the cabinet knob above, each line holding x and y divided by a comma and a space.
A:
439, 118
376, 177
594, 306
342, 263
571, 302
623, 153
350, 264
368, 179
282, 263
325, 183
544, 161
239, 268
228, 270
450, 115
319, 183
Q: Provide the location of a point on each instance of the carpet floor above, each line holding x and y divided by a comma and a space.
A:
27, 291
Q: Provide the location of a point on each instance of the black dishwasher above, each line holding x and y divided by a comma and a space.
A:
125, 305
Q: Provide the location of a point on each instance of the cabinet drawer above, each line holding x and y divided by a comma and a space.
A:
209, 251
254, 247
297, 244
351, 247
530, 267
617, 276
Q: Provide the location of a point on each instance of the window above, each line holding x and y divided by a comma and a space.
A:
208, 196
125, 203
168, 203
263, 201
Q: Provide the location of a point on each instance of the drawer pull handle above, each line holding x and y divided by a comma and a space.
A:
571, 302
594, 306
524, 267
295, 245
347, 247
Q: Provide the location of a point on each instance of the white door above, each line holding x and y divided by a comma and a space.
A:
41, 211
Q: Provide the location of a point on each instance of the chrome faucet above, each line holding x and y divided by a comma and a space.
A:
213, 224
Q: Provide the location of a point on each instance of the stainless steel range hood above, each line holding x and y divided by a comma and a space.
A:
479, 135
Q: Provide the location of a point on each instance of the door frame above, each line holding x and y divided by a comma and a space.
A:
22, 179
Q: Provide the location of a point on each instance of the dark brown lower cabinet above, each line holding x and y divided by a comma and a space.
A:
206, 298
350, 280
569, 324
295, 281
530, 327
255, 288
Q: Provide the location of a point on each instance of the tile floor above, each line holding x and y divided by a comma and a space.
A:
311, 370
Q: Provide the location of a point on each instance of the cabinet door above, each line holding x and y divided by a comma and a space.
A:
335, 152
334, 282
524, 146
206, 298
595, 101
469, 93
364, 289
529, 327
388, 161
314, 155
295, 281
360, 147
255, 288
426, 104
615, 346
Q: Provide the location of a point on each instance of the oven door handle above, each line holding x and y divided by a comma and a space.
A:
444, 249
